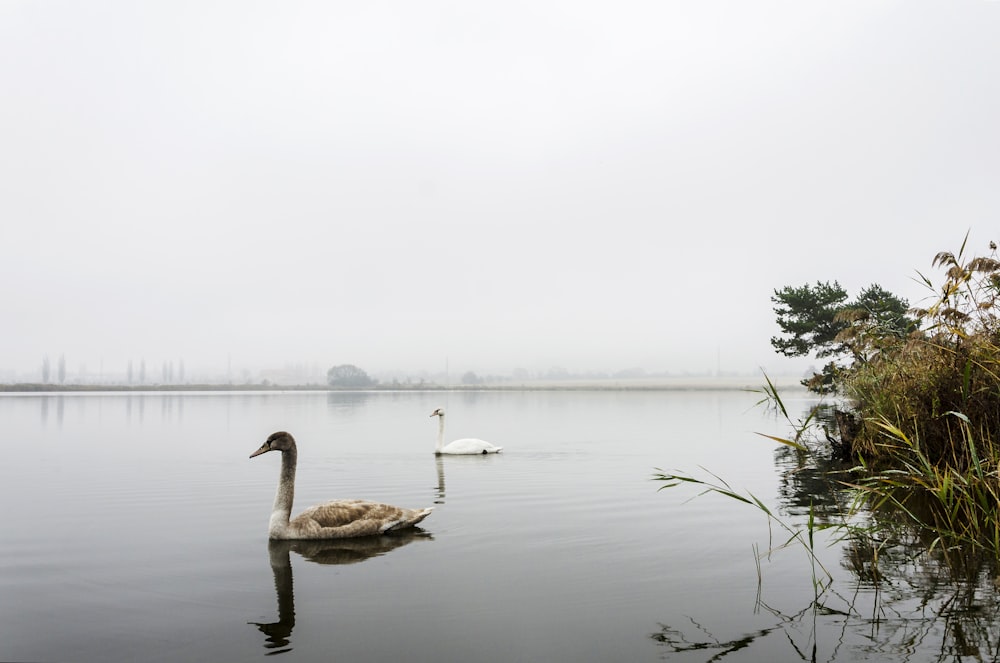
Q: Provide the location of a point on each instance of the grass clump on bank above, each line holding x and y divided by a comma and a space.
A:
922, 408
940, 387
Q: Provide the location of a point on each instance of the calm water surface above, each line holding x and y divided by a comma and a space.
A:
135, 529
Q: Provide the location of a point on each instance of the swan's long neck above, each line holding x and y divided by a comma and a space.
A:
282, 510
440, 443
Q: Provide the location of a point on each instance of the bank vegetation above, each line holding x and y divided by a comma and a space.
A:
911, 408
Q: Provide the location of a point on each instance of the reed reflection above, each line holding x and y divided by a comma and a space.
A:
907, 590
904, 579
335, 552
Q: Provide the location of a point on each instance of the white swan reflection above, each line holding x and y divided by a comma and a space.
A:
439, 491
334, 552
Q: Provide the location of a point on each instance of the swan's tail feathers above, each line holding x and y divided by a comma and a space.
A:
410, 519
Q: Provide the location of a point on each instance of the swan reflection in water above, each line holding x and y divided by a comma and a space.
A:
455, 461
333, 551
439, 491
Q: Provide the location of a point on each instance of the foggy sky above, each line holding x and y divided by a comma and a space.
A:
407, 185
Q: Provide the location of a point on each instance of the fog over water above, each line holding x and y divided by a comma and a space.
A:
450, 187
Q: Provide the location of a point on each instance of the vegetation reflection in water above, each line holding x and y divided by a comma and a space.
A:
907, 594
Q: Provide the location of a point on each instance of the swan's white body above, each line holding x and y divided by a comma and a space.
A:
342, 519
467, 446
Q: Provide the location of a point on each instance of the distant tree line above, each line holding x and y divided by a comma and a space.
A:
172, 373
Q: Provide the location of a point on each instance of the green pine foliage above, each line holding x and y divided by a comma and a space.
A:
819, 320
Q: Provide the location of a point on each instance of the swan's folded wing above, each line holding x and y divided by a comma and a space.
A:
470, 445
350, 518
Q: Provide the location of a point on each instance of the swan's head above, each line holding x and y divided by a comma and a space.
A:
438, 412
280, 441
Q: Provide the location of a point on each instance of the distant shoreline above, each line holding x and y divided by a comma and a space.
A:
657, 384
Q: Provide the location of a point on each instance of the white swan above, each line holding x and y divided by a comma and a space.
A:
464, 446
342, 519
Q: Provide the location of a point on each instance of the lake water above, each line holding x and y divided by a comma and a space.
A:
134, 528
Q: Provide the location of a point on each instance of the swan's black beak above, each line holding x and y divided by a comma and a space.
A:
264, 448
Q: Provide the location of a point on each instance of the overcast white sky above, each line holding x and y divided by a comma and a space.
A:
400, 184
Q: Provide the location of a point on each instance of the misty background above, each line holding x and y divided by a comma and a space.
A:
243, 189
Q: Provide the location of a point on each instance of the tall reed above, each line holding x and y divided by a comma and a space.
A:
940, 386
959, 507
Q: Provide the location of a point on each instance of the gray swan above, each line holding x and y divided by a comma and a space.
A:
465, 446
342, 519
